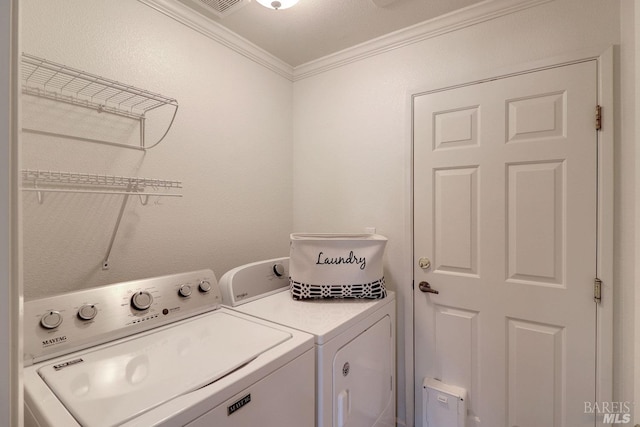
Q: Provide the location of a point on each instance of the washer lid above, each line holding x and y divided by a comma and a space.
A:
113, 384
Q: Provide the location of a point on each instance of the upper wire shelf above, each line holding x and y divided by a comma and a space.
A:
47, 79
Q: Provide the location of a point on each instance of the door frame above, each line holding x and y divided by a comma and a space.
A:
604, 266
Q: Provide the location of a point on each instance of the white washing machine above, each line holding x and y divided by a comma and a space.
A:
162, 352
354, 341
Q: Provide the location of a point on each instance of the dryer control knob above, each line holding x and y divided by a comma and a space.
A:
204, 286
87, 312
278, 270
51, 319
141, 300
184, 291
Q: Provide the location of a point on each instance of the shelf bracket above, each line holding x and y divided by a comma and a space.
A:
105, 263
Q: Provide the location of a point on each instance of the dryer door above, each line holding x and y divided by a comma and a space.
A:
363, 379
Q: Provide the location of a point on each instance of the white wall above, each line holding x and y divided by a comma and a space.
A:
626, 181
230, 145
10, 291
630, 109
352, 139
6, 386
636, 78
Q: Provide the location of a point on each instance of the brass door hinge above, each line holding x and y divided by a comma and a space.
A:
598, 117
597, 290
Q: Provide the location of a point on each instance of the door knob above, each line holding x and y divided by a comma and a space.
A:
426, 287
424, 263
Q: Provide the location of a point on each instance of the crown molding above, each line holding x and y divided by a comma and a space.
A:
481, 12
220, 34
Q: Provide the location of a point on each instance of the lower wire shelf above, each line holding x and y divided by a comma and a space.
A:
57, 181
41, 182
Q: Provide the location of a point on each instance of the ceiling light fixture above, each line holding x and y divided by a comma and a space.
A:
277, 4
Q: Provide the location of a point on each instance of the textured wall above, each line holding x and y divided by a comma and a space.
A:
11, 400
233, 147
352, 138
230, 145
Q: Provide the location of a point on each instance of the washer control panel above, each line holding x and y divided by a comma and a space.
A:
64, 323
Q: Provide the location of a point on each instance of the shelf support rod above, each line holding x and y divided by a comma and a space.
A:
105, 263
142, 124
38, 192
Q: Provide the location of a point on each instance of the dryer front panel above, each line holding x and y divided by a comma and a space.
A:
363, 377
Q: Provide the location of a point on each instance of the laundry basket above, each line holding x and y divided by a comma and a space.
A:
336, 266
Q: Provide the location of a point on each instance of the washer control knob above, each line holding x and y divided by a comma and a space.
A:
204, 286
87, 312
141, 300
278, 270
184, 291
51, 319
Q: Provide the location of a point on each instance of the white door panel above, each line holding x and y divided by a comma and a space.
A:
505, 208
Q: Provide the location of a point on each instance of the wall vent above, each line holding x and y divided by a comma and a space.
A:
223, 8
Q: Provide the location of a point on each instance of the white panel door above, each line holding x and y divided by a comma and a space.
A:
505, 210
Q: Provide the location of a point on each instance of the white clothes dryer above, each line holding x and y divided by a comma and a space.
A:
354, 341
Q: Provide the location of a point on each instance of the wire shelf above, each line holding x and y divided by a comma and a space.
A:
41, 182
72, 182
58, 82
54, 77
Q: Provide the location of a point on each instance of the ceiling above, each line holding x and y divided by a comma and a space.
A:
313, 29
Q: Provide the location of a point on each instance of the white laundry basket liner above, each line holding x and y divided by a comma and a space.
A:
336, 266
